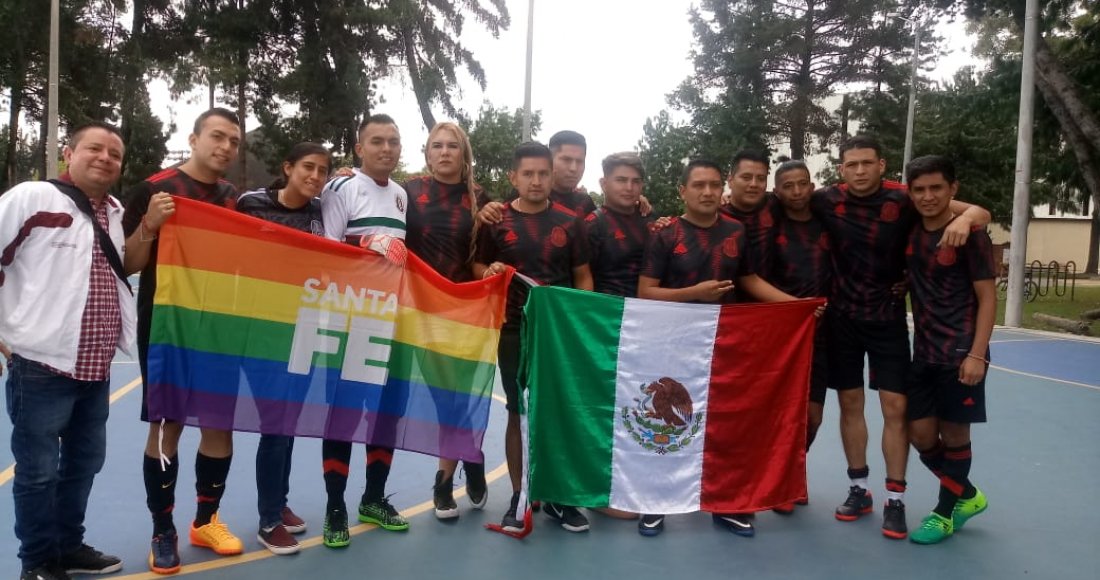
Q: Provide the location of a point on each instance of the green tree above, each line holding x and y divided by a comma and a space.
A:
494, 136
664, 149
764, 67
428, 36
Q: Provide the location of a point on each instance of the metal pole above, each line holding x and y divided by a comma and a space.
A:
1021, 205
527, 83
912, 99
51, 115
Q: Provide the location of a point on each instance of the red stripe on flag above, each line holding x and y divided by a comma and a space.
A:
754, 455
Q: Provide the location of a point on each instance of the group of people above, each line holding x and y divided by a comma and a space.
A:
68, 247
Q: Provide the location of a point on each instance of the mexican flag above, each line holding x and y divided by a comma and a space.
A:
661, 407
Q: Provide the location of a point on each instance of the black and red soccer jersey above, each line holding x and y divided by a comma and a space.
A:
683, 254
868, 236
941, 282
175, 182
760, 223
801, 264
545, 246
440, 225
578, 202
617, 245
581, 203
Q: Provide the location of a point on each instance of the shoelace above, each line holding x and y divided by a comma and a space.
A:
934, 524
219, 531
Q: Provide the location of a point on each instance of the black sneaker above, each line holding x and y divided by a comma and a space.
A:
651, 525
443, 497
164, 554
45, 572
859, 503
88, 560
511, 523
569, 517
740, 524
476, 488
893, 520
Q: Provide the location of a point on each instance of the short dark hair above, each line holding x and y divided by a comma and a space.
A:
930, 164
749, 155
860, 142
215, 112
624, 159
790, 165
377, 119
697, 163
567, 138
77, 134
531, 149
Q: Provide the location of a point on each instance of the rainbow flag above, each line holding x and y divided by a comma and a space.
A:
258, 327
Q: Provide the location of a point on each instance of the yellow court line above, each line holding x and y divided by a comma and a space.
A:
7, 474
262, 554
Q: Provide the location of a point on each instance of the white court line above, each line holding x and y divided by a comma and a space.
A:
1050, 335
1046, 378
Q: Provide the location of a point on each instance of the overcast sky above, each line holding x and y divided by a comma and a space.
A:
601, 67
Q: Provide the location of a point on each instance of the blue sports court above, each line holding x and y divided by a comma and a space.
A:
1037, 460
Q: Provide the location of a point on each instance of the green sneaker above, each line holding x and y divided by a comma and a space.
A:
382, 514
968, 508
336, 533
933, 529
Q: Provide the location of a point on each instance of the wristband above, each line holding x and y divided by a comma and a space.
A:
976, 357
144, 230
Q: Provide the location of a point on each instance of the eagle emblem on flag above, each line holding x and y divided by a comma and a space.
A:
663, 419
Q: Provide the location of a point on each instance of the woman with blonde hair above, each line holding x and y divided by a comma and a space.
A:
441, 231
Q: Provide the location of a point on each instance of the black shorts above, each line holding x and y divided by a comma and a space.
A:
886, 345
819, 368
143, 357
508, 362
935, 391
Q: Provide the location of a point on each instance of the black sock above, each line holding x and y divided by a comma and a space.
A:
955, 481
933, 459
860, 473
160, 491
210, 476
335, 456
378, 471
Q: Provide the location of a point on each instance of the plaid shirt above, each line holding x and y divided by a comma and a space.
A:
101, 324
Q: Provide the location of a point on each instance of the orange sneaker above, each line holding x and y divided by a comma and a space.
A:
217, 537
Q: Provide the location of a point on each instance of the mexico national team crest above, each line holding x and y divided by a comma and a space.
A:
663, 420
400, 203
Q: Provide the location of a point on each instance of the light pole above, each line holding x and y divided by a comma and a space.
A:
527, 82
51, 113
912, 116
1021, 204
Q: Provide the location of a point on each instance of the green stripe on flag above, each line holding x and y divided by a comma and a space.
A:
260, 339
570, 362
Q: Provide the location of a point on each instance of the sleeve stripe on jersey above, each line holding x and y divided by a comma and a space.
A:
338, 182
384, 222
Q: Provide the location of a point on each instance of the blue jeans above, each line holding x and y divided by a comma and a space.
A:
59, 441
273, 477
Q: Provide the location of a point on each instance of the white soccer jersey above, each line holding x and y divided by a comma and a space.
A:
356, 206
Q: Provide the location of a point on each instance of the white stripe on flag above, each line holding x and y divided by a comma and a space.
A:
661, 473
